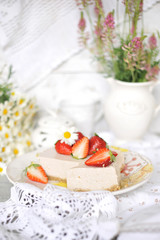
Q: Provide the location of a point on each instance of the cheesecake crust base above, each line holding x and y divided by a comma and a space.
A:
112, 189
52, 178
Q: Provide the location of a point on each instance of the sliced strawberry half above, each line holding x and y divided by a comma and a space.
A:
80, 148
63, 148
101, 158
96, 143
36, 173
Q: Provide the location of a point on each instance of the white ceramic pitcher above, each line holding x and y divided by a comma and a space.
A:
130, 108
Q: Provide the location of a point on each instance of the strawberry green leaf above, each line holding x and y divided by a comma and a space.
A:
113, 158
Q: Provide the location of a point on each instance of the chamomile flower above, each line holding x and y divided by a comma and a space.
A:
17, 113
17, 149
27, 141
3, 157
16, 121
68, 135
1, 127
14, 95
6, 134
5, 111
5, 149
32, 104
21, 101
2, 168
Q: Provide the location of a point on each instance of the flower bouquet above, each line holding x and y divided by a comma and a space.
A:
124, 51
17, 113
130, 58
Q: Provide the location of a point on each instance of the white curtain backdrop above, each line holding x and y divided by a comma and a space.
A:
38, 35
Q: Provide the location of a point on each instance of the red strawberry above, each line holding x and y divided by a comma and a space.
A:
36, 173
96, 143
80, 148
63, 148
101, 158
80, 135
114, 153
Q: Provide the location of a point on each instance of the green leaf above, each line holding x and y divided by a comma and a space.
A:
113, 158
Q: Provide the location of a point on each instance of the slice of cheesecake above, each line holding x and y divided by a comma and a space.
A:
78, 176
87, 178
57, 165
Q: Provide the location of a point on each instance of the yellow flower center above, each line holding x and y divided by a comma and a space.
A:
12, 93
0, 128
17, 114
67, 135
21, 101
15, 151
6, 135
31, 106
15, 123
5, 111
3, 149
1, 169
1, 160
19, 134
29, 143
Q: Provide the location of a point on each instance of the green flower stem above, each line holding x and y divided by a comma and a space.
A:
133, 77
90, 21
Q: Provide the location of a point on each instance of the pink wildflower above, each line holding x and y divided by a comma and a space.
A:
152, 42
82, 23
152, 72
136, 43
98, 31
141, 6
155, 70
98, 6
132, 4
109, 21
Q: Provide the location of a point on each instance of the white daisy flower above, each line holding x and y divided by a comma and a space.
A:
27, 141
17, 113
6, 134
2, 168
68, 135
14, 95
5, 149
21, 101
3, 157
5, 110
2, 125
32, 103
17, 149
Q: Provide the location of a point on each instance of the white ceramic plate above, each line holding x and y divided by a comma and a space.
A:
137, 171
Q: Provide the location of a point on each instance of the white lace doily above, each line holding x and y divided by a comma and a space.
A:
56, 213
